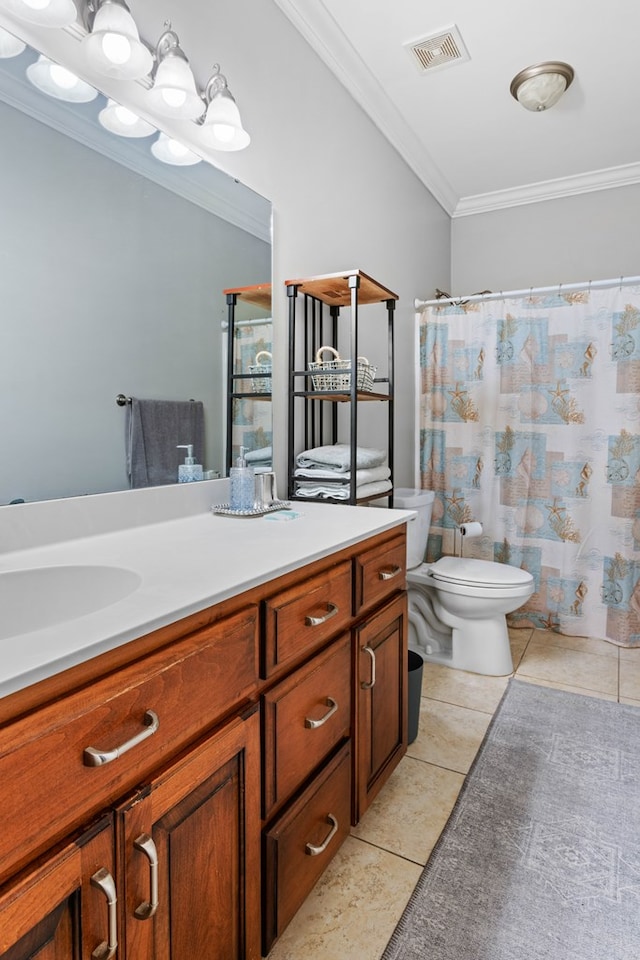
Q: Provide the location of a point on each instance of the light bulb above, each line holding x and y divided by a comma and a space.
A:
125, 116
174, 97
62, 77
116, 48
176, 148
223, 132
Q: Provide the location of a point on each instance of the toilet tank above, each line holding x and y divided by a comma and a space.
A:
417, 529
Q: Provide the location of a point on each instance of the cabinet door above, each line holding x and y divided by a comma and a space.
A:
189, 853
381, 700
64, 907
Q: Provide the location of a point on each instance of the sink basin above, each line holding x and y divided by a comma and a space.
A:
46, 596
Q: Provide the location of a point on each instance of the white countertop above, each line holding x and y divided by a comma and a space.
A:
184, 565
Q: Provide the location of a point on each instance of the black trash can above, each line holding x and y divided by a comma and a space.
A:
415, 664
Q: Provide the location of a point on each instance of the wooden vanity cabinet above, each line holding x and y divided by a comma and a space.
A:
240, 745
62, 907
380, 673
188, 849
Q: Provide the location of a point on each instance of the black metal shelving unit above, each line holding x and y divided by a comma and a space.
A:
316, 319
240, 385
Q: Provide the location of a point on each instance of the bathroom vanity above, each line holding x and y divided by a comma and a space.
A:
175, 787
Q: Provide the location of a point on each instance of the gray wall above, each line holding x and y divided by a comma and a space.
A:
110, 284
342, 196
593, 236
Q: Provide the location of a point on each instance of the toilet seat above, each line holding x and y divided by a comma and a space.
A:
478, 573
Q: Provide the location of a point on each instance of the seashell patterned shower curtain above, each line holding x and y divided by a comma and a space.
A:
529, 420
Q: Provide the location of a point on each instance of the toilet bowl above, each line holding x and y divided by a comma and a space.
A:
458, 606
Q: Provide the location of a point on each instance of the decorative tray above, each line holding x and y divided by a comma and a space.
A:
224, 509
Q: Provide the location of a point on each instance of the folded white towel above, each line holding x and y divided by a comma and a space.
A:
367, 475
337, 457
253, 456
340, 491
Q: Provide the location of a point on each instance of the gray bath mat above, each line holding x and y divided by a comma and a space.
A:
540, 859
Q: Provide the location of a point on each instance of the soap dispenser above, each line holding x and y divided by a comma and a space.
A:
242, 485
189, 470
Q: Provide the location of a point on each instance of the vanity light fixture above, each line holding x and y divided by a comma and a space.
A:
222, 127
10, 46
172, 151
113, 45
124, 122
46, 13
540, 86
174, 92
56, 81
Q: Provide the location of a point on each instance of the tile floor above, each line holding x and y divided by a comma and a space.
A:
352, 911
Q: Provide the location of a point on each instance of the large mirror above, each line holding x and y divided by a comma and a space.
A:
113, 269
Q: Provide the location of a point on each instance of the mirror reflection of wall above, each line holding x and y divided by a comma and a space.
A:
111, 284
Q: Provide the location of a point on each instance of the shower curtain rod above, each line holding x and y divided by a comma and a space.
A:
502, 294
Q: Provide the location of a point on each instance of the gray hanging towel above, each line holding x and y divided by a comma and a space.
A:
154, 428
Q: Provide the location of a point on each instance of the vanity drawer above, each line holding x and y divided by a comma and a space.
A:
300, 619
305, 716
379, 572
301, 843
50, 786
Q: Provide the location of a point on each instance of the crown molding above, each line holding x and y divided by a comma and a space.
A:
313, 21
592, 182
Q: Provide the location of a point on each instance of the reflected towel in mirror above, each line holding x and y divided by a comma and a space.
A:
153, 430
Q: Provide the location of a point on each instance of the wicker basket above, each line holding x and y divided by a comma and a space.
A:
335, 374
261, 384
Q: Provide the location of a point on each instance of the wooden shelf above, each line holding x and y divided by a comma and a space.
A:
259, 294
333, 289
339, 396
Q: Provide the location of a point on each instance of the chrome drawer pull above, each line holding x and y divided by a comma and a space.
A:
312, 850
389, 574
145, 845
368, 684
92, 757
317, 621
103, 881
314, 724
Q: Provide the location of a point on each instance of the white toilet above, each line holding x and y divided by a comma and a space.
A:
457, 606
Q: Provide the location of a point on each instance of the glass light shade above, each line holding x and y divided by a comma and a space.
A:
58, 82
540, 86
46, 13
540, 93
222, 128
174, 92
10, 46
174, 152
114, 47
124, 122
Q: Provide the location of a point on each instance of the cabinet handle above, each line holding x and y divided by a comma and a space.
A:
389, 574
92, 757
317, 621
368, 684
312, 849
145, 845
314, 724
103, 881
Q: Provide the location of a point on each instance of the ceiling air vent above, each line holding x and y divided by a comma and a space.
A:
438, 50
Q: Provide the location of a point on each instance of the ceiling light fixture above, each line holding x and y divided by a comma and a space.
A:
174, 92
113, 44
56, 81
540, 86
10, 46
46, 13
222, 127
172, 151
124, 122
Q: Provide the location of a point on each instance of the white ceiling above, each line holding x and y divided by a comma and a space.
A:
457, 126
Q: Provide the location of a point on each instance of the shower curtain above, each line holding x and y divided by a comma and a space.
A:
529, 418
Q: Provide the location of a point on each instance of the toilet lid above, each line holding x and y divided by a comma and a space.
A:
476, 573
